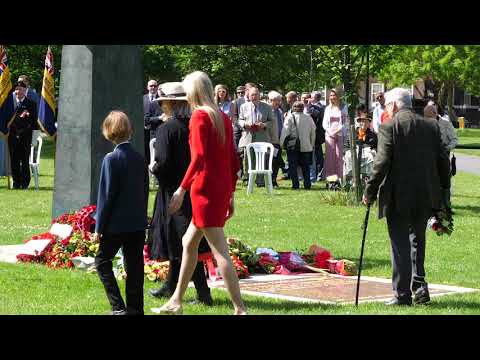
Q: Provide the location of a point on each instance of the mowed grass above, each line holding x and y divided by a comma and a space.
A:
469, 137
288, 220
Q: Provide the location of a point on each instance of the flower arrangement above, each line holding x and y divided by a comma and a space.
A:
441, 222
156, 270
59, 252
243, 254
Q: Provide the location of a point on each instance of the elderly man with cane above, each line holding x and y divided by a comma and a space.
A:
410, 169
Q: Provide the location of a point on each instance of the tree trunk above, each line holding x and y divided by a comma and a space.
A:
451, 112
350, 95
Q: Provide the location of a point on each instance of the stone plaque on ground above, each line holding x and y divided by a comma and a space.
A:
325, 288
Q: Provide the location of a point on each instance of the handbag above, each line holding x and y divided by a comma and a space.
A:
453, 165
292, 143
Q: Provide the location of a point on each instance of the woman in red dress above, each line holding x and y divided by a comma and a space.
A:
211, 178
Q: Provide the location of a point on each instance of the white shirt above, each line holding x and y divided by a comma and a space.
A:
377, 116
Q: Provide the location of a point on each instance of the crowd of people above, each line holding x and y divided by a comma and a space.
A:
201, 134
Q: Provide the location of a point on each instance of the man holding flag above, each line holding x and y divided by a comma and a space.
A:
47, 107
7, 111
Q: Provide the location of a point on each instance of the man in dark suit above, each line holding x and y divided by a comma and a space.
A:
20, 136
316, 111
152, 112
410, 169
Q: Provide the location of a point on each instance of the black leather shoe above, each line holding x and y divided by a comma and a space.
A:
161, 292
422, 296
275, 185
397, 301
119, 312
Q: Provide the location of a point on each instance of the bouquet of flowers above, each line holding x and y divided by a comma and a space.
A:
59, 252
244, 253
242, 270
317, 256
268, 263
156, 270
78, 244
441, 222
292, 261
342, 267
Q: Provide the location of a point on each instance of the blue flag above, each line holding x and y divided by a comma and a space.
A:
7, 107
47, 106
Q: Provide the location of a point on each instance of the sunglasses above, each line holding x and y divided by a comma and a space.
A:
153, 85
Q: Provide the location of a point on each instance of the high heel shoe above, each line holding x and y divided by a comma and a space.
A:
168, 310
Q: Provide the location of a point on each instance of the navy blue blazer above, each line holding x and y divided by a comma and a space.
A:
122, 192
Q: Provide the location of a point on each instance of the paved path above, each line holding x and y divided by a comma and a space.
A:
468, 163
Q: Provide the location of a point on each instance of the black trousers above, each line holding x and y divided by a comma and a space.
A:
407, 238
277, 163
319, 160
19, 148
146, 137
199, 278
132, 248
304, 160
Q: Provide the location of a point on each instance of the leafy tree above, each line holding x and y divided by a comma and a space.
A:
30, 60
448, 66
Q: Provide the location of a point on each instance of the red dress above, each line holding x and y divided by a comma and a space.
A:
212, 174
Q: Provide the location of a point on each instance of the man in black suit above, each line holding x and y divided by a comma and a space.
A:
316, 111
152, 112
20, 136
410, 169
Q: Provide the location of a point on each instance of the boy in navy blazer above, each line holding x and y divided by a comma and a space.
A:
121, 217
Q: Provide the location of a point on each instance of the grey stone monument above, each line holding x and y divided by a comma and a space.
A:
94, 80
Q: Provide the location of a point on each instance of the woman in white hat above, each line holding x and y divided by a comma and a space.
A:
172, 157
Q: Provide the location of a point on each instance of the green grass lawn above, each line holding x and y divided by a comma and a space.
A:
287, 220
469, 137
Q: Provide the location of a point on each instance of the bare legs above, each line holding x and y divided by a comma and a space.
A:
218, 244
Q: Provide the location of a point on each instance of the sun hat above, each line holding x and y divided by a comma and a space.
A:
171, 91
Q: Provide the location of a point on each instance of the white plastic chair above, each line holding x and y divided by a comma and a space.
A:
152, 159
261, 150
34, 161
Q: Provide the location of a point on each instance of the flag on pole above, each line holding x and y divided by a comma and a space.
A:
47, 106
7, 108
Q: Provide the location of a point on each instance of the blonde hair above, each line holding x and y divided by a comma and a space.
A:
117, 127
176, 108
200, 96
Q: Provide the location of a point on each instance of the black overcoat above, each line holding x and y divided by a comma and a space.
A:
172, 157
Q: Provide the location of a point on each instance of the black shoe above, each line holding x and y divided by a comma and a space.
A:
164, 292
260, 185
421, 296
275, 185
399, 301
119, 312
16, 186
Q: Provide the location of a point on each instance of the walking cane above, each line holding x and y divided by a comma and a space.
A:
365, 224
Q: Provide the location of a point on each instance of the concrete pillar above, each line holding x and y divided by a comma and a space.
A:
94, 80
